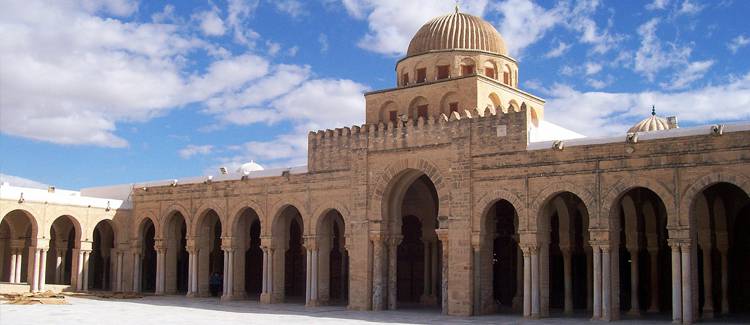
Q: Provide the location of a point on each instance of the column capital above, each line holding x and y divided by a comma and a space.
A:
529, 248
311, 242
377, 236
395, 240
476, 241
566, 249
442, 235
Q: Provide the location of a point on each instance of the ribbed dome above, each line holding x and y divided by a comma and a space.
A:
247, 168
652, 123
457, 31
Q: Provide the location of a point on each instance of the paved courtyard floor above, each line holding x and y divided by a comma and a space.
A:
176, 310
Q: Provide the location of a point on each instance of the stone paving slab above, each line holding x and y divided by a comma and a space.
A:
173, 310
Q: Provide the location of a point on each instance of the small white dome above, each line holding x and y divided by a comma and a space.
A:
249, 167
651, 123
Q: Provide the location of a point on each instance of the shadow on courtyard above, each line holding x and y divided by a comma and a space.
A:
408, 314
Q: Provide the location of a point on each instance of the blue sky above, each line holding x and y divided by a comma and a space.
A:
98, 92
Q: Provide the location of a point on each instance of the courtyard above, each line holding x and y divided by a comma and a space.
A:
167, 310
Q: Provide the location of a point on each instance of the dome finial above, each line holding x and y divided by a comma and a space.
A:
653, 110
457, 6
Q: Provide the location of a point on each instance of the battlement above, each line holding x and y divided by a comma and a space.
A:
330, 150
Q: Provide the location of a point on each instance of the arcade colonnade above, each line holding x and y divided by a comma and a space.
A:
636, 252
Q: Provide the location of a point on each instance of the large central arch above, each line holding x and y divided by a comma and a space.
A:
410, 210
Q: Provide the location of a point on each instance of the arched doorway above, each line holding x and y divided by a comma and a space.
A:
643, 254
290, 266
501, 262
176, 269
333, 261
147, 270
64, 239
721, 214
565, 255
210, 255
100, 262
249, 256
414, 251
17, 231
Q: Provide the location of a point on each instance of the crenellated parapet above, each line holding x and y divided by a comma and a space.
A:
489, 130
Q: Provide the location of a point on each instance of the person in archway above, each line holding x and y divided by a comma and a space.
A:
215, 283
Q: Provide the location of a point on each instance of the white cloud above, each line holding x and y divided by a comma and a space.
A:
593, 68
601, 113
292, 51
323, 41
238, 11
684, 77
210, 22
293, 8
737, 43
392, 23
567, 70
314, 105
599, 83
652, 57
689, 7
525, 22
657, 5
21, 182
122, 8
273, 48
193, 150
558, 51
75, 76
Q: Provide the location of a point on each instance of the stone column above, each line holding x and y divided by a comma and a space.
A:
687, 284
120, 267
434, 269
264, 270
606, 284
308, 268
79, 271
724, 283
192, 271
34, 281
379, 272
526, 281
59, 270
86, 256
535, 303
393, 270
160, 267
568, 280
708, 305
267, 296
634, 305
676, 283
42, 269
597, 285
518, 298
477, 278
137, 271
443, 237
314, 277
589, 280
228, 285
653, 253
426, 272
13, 262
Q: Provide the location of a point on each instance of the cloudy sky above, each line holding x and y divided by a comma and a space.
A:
97, 92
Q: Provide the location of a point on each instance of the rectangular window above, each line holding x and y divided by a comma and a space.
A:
421, 75
443, 71
405, 79
422, 111
393, 116
467, 70
489, 72
506, 78
453, 107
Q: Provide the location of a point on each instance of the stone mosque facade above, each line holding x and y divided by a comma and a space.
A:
455, 194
